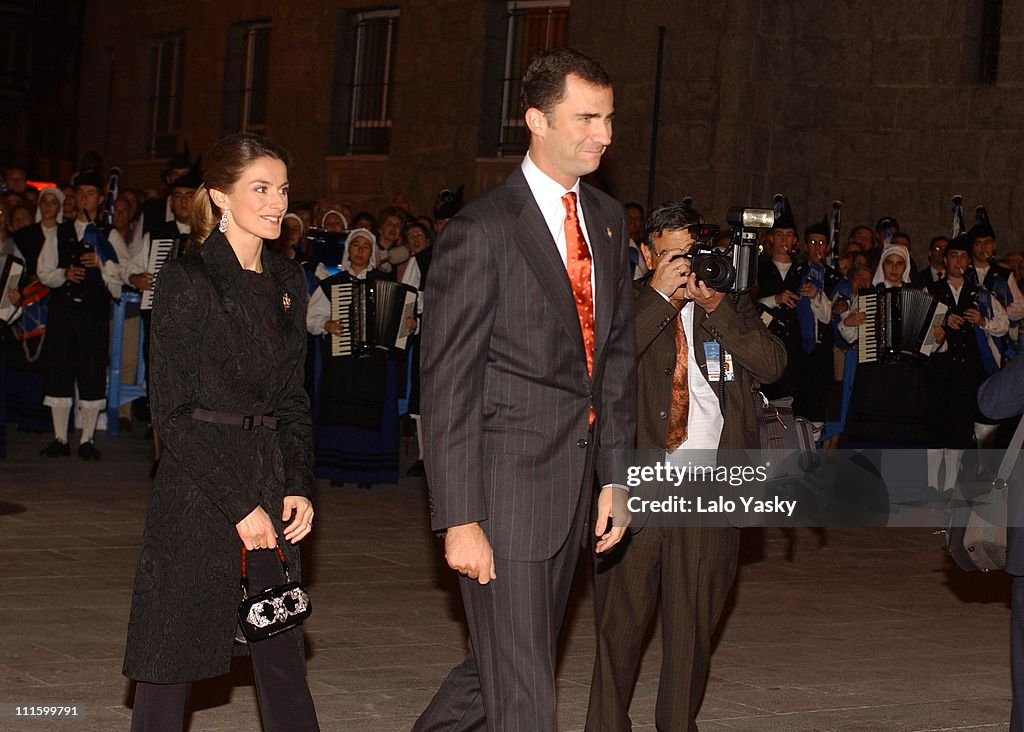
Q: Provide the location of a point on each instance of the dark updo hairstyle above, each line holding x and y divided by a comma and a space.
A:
223, 166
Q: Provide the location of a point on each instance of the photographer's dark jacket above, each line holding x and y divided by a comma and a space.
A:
758, 356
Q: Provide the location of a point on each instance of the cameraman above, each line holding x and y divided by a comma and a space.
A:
688, 337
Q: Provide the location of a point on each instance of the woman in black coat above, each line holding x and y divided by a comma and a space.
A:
227, 396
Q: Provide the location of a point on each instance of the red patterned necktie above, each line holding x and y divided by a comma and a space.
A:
578, 264
680, 391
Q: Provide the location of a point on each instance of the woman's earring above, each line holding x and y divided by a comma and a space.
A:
223, 225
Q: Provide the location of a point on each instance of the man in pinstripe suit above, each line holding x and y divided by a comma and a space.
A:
528, 387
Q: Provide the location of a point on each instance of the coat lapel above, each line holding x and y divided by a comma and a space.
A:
601, 234
541, 254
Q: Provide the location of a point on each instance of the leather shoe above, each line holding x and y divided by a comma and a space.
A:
56, 449
88, 451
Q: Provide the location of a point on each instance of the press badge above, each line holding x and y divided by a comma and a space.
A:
713, 361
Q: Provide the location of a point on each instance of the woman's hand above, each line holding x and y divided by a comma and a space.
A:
300, 511
257, 530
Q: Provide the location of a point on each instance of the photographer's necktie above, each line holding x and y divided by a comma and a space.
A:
578, 263
680, 413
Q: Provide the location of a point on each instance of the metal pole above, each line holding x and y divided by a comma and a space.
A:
654, 120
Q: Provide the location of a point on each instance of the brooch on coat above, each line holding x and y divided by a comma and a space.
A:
609, 230
286, 302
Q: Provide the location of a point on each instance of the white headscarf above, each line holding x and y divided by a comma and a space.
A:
366, 234
302, 229
60, 203
892, 249
344, 221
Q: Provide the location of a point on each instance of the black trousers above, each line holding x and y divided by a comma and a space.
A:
690, 570
78, 348
507, 682
278, 666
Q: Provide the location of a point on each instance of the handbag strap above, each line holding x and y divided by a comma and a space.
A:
245, 577
1012, 452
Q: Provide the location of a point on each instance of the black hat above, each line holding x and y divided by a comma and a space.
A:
887, 222
783, 213
88, 178
961, 243
179, 160
820, 228
193, 178
982, 225
448, 203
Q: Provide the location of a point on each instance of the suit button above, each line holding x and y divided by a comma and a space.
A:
663, 414
668, 372
582, 443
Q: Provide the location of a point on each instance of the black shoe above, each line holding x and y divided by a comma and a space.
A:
88, 451
152, 470
416, 470
56, 449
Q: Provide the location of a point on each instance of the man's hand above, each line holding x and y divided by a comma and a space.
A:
955, 321
74, 274
13, 296
856, 317
612, 517
703, 295
671, 273
90, 259
787, 299
974, 317
257, 530
808, 290
469, 552
142, 281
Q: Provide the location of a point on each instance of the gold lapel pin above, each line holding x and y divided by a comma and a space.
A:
286, 301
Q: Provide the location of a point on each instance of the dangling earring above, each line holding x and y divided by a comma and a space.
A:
223, 225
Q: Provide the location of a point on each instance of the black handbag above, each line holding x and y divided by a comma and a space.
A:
275, 609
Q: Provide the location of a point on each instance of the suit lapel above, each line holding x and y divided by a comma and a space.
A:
600, 232
541, 254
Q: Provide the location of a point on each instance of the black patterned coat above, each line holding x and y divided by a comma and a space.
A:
216, 346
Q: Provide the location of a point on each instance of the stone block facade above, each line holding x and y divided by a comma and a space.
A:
873, 102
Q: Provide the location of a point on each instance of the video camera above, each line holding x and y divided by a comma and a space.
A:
729, 267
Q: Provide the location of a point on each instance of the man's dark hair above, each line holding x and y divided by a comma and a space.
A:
904, 235
855, 229
635, 206
671, 216
936, 239
543, 83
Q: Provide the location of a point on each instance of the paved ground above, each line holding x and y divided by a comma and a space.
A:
849, 630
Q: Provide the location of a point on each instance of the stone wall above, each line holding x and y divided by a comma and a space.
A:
872, 102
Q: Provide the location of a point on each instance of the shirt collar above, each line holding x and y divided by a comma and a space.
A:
544, 187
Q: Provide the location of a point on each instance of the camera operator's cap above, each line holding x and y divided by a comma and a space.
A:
448, 203
982, 225
89, 178
783, 214
179, 160
193, 178
960, 243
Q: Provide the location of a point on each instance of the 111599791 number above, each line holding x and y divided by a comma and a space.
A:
44, 711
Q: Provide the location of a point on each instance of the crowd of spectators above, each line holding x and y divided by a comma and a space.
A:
809, 292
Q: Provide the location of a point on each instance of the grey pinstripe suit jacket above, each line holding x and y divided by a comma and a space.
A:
505, 388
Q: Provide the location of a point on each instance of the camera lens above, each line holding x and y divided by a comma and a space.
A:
714, 271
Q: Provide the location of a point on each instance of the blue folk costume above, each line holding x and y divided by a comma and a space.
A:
356, 401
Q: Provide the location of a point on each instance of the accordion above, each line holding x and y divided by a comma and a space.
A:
899, 322
372, 314
160, 252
